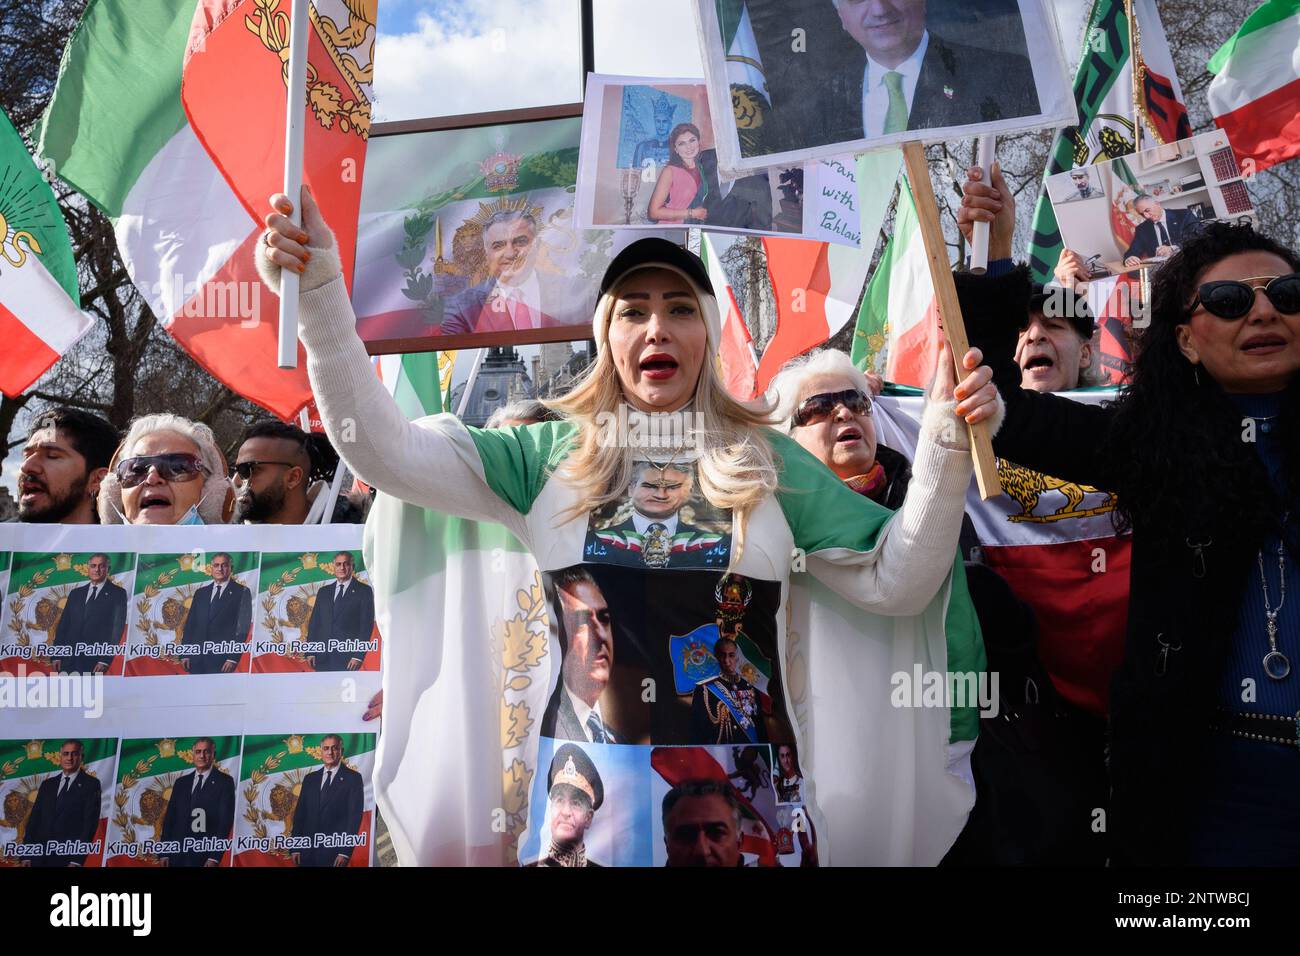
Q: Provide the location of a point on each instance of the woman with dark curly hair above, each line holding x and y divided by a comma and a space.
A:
1203, 451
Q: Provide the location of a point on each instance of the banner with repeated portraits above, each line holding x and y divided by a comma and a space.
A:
139, 728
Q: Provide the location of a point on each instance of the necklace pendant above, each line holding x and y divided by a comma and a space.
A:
1277, 665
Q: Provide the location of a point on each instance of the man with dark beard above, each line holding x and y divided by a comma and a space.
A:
272, 473
64, 459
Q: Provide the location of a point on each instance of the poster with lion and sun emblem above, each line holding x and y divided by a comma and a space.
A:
31, 772
482, 241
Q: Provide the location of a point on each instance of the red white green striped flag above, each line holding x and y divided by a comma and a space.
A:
117, 133
40, 318
1255, 94
899, 320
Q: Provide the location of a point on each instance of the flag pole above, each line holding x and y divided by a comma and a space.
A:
1130, 15
294, 123
945, 293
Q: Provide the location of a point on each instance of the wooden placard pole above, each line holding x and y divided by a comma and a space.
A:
945, 294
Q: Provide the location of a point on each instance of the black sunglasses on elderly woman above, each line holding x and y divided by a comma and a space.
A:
1233, 298
817, 408
174, 466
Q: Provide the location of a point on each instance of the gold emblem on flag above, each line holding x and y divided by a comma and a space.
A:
348, 46
18, 235
1026, 487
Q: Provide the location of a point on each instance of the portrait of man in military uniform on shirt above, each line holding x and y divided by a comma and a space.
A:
662, 523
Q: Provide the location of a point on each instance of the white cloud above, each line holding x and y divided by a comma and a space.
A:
636, 38
490, 56
478, 55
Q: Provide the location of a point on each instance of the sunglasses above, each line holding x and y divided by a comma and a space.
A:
820, 407
1231, 298
245, 469
177, 466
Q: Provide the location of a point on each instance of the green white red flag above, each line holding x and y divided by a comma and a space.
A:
899, 319
117, 131
40, 317
1255, 94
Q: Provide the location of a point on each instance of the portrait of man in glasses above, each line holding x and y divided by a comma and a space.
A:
221, 614
93, 617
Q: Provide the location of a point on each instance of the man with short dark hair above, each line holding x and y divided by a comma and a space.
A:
221, 612
330, 802
272, 474
65, 457
574, 711
95, 613
702, 824
67, 807
202, 805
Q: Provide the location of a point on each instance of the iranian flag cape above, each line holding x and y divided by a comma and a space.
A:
1056, 546
273, 767
27, 763
147, 771
470, 659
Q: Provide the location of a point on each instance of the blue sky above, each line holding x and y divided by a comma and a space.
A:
441, 57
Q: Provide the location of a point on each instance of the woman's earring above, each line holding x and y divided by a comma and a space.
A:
1196, 374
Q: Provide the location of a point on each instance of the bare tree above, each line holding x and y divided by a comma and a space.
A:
127, 365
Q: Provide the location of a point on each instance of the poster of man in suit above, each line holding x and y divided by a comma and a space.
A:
61, 827
330, 805
343, 619
201, 810
587, 636
220, 616
93, 622
814, 78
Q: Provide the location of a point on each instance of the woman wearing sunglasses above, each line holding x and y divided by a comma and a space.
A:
168, 470
1203, 451
824, 402
554, 484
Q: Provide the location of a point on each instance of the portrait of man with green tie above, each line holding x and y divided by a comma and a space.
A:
866, 69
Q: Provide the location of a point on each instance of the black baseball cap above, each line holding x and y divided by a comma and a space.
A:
654, 250
1059, 302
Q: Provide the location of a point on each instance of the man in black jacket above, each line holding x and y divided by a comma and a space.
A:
344, 611
67, 808
206, 788
221, 613
330, 804
95, 613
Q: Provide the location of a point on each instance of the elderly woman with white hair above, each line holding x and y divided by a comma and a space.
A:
823, 401
168, 470
696, 520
